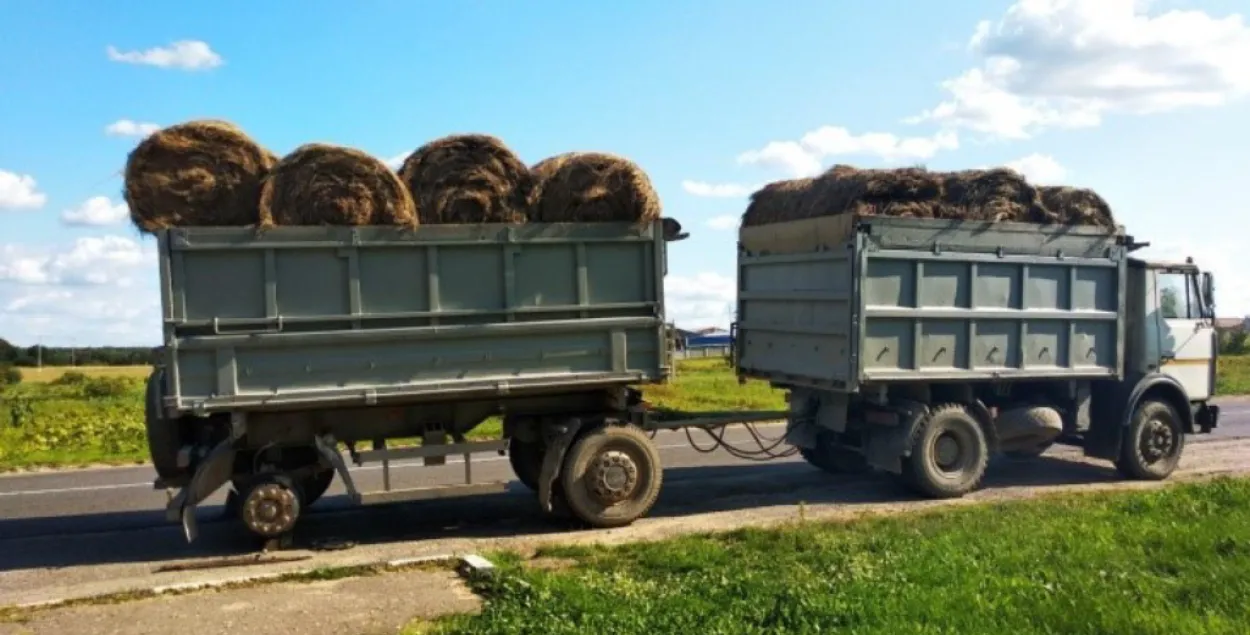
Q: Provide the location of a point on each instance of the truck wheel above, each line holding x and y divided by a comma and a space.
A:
1152, 443
611, 476
270, 506
949, 453
828, 457
526, 458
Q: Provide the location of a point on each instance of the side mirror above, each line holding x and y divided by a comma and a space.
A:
1208, 293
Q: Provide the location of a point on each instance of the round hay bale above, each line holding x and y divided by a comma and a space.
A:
470, 178
593, 187
323, 184
1077, 206
197, 173
778, 201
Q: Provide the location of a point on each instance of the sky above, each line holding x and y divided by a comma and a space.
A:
1145, 101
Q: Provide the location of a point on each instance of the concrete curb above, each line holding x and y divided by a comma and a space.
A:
467, 566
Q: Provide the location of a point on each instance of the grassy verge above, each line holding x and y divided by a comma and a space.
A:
56, 420
1175, 560
1233, 375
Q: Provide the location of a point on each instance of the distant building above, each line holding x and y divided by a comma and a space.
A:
1232, 325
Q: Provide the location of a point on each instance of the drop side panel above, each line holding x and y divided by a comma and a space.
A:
297, 316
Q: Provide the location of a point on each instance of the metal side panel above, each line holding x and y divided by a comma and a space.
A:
795, 317
973, 316
326, 312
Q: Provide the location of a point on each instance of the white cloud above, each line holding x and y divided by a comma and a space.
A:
92, 260
717, 190
722, 223
188, 55
1069, 63
1040, 169
396, 161
128, 128
96, 211
94, 291
19, 191
803, 157
704, 299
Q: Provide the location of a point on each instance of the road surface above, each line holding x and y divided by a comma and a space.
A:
89, 530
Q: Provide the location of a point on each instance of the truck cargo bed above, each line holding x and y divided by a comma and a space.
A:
841, 301
303, 316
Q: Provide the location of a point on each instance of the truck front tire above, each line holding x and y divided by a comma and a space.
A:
1152, 443
949, 453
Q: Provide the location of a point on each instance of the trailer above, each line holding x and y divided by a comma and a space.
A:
286, 346
920, 347
913, 346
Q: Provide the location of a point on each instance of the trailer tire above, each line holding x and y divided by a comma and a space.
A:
526, 458
162, 434
949, 453
611, 476
1153, 442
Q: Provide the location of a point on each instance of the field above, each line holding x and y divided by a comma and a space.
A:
1233, 375
1173, 560
95, 415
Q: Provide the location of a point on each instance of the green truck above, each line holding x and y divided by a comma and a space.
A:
916, 347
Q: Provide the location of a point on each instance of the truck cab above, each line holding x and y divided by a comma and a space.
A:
1172, 325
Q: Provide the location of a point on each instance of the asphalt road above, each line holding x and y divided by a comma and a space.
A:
75, 517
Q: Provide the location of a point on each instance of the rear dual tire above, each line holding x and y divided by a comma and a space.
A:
611, 476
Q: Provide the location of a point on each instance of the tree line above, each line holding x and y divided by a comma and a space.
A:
30, 356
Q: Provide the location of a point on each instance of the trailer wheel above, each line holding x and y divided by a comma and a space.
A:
526, 458
270, 506
949, 453
612, 476
1153, 442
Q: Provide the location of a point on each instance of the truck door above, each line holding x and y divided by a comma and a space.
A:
1186, 335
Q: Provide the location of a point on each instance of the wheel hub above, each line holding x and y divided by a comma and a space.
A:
614, 476
1157, 440
947, 452
270, 510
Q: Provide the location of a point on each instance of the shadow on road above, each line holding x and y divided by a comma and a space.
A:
145, 536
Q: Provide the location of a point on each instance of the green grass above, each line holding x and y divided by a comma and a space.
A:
1174, 560
48, 422
1233, 375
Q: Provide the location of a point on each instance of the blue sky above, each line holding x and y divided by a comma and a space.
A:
1142, 100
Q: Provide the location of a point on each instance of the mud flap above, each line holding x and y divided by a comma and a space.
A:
214, 472
886, 446
329, 453
553, 459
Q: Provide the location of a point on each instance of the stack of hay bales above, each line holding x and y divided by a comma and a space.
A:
995, 195
210, 173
